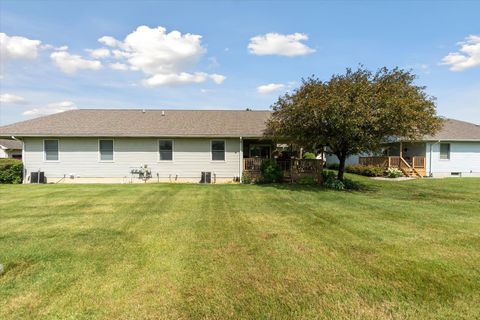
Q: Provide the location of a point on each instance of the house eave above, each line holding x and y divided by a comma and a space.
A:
96, 135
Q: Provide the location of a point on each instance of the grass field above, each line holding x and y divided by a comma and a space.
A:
399, 250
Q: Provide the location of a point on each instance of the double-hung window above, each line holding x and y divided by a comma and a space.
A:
218, 150
166, 150
444, 151
50, 148
106, 149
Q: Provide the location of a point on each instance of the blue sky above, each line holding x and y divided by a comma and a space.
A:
225, 55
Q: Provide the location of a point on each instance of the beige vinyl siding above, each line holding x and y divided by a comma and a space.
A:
80, 157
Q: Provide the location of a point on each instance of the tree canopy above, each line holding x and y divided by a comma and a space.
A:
354, 112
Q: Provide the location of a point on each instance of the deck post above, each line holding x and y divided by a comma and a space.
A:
401, 149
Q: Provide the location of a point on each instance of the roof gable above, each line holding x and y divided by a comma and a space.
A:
456, 130
10, 144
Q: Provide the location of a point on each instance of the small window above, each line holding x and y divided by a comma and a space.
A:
166, 150
51, 150
106, 150
218, 150
444, 151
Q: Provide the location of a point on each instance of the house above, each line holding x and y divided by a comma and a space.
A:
118, 146
10, 149
453, 151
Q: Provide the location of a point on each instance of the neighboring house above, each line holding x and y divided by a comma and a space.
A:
101, 145
453, 151
10, 149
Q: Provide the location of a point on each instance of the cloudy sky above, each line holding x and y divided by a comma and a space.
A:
57, 56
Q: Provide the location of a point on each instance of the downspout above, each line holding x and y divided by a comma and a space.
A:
430, 173
240, 161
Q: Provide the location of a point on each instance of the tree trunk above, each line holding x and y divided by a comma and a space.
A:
341, 166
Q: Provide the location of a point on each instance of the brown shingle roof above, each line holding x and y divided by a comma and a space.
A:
177, 123
136, 123
456, 130
10, 144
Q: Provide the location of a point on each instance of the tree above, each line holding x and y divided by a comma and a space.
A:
354, 112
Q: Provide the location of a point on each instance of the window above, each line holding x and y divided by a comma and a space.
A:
106, 150
51, 150
218, 150
444, 151
166, 150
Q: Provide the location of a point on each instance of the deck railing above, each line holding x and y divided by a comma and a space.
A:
292, 168
416, 166
418, 162
252, 164
374, 161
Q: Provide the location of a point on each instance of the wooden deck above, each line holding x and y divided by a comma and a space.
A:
292, 169
415, 167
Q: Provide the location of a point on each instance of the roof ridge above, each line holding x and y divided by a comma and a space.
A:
451, 119
149, 109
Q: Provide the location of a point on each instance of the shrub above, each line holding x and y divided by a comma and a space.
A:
333, 166
306, 180
334, 184
271, 172
351, 185
309, 155
369, 171
394, 173
330, 180
247, 178
327, 174
11, 171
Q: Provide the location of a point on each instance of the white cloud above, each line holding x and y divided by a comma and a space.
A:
16, 47
119, 66
99, 53
269, 88
110, 41
182, 78
279, 44
467, 57
51, 108
217, 78
71, 63
167, 58
11, 98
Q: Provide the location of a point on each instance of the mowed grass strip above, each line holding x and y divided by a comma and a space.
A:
396, 250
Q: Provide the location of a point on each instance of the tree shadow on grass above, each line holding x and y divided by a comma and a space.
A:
356, 186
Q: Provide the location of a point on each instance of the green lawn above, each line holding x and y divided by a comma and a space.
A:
399, 250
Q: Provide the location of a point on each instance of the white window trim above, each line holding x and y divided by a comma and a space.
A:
158, 150
224, 150
113, 150
45, 153
449, 151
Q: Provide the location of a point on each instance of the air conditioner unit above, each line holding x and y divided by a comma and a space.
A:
37, 177
206, 177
